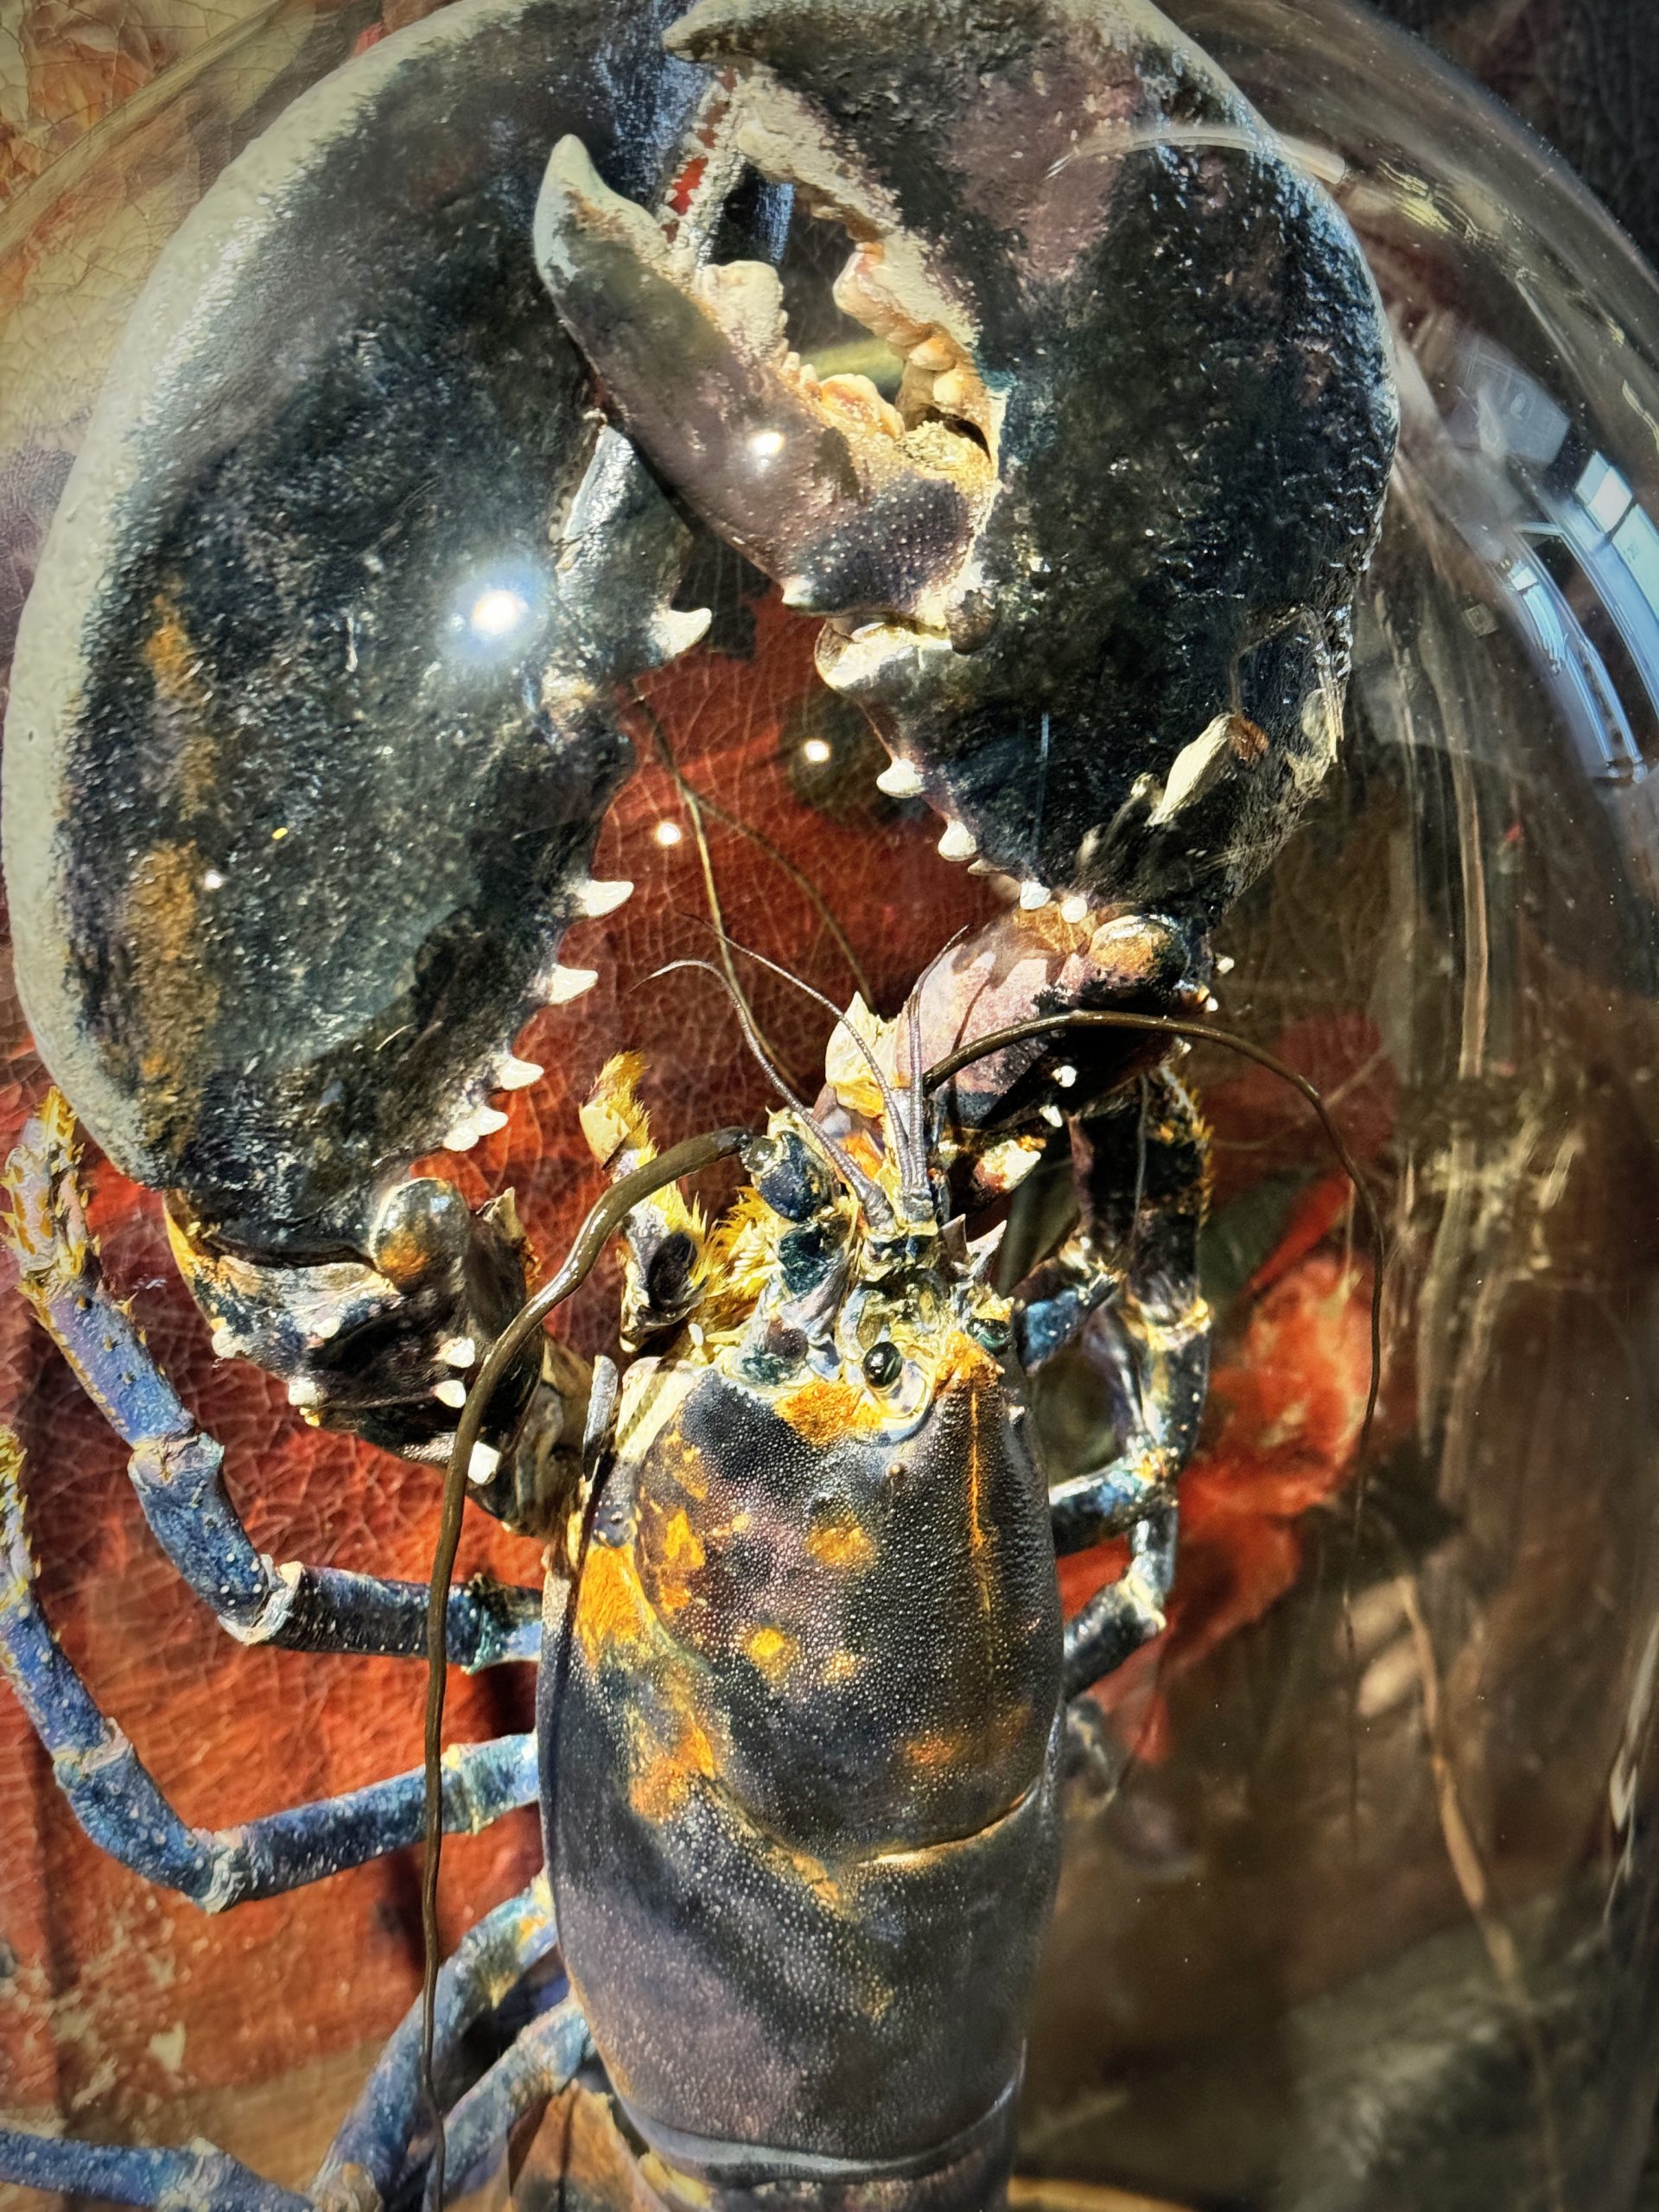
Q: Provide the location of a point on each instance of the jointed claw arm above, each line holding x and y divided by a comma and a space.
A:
176, 1469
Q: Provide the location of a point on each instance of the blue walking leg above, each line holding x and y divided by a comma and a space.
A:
183, 2181
1124, 1287
372, 2149
539, 2062
1127, 1613
176, 1469
118, 1803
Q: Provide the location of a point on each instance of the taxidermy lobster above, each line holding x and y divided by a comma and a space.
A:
313, 726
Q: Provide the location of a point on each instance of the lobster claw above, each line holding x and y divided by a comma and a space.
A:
816, 491
313, 722
1089, 569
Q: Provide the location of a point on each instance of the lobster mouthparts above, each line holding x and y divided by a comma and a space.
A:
1090, 571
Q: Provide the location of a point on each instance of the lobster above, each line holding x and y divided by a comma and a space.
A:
313, 726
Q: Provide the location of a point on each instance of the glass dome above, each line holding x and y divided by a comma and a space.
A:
1362, 1916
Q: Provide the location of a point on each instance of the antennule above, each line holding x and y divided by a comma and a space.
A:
874, 1200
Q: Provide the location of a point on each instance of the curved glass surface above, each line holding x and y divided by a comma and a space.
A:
1371, 1927
1356, 1908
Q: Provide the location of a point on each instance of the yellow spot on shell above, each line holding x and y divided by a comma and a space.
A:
663, 1777
678, 1555
612, 1611
821, 1411
981, 1746
682, 1544
176, 997
837, 1541
773, 1651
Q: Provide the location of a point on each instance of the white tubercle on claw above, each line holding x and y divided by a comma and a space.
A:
488, 1119
1053, 1116
675, 630
461, 1136
935, 355
1033, 895
225, 1343
518, 1075
304, 1391
595, 900
458, 1351
483, 1464
450, 1392
1074, 909
563, 984
958, 842
899, 780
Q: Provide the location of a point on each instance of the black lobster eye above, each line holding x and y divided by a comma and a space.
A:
881, 1365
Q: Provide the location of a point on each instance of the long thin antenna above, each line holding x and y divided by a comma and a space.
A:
917, 1182
692, 801
605, 1218
870, 1195
889, 1099
800, 878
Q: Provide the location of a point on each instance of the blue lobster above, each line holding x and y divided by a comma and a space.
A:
315, 720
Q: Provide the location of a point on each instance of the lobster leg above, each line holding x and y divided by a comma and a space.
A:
537, 2064
117, 1801
1128, 1612
1125, 1286
176, 1468
112, 2174
372, 2148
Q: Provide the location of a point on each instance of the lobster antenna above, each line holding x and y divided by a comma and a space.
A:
917, 1182
695, 804
1206, 1033
605, 1218
870, 1196
889, 1099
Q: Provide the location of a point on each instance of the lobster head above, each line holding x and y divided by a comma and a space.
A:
1089, 567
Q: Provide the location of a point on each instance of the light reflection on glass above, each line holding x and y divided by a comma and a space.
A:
496, 613
1582, 568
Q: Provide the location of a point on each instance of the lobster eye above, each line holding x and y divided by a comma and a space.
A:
881, 1365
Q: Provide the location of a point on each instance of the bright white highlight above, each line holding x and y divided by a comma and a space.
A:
498, 614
